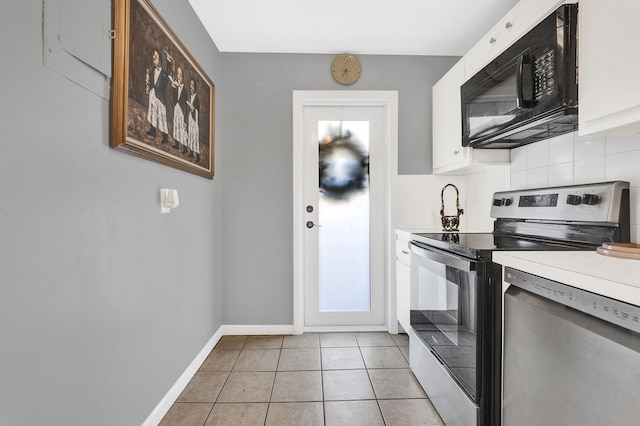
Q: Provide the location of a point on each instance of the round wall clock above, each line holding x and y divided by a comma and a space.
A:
346, 68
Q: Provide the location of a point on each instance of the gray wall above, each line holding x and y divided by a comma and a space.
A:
257, 163
103, 301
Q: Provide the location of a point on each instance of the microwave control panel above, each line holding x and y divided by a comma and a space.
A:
544, 81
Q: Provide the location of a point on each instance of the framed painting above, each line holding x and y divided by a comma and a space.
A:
162, 102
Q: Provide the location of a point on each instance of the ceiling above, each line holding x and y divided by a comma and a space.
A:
381, 27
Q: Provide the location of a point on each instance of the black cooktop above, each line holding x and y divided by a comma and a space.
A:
481, 245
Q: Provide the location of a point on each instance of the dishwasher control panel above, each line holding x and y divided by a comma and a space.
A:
607, 309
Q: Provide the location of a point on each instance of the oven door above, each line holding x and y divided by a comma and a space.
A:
445, 312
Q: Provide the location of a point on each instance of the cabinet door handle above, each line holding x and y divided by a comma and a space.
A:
456, 152
405, 252
492, 40
508, 25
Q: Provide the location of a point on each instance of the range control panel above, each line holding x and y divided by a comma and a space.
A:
598, 202
609, 310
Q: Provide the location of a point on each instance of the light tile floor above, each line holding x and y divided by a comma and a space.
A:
311, 379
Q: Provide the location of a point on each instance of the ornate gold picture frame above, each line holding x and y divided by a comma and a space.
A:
162, 102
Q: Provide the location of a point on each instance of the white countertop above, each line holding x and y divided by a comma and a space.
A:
608, 276
437, 230
418, 230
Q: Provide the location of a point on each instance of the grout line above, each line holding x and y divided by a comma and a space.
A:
273, 385
222, 387
322, 370
373, 389
210, 411
226, 380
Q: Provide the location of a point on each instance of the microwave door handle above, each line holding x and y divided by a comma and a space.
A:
524, 81
444, 258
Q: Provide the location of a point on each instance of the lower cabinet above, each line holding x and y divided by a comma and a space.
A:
402, 278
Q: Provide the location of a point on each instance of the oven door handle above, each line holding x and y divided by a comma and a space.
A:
444, 258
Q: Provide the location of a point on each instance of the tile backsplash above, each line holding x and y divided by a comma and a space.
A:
417, 199
417, 203
565, 160
571, 159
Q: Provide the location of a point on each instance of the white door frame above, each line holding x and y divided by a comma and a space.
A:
388, 99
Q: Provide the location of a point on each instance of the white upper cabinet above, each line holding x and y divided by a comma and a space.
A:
447, 126
609, 60
449, 156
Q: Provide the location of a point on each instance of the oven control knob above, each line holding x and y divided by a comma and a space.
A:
507, 201
574, 200
497, 202
590, 199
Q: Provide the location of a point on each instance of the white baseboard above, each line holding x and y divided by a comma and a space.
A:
340, 328
165, 404
256, 330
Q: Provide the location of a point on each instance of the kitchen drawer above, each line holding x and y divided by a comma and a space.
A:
453, 405
402, 252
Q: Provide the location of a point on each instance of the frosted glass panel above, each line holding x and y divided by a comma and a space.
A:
343, 216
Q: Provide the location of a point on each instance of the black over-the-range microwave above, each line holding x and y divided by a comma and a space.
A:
529, 92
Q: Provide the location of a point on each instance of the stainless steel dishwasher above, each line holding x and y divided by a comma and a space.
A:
571, 357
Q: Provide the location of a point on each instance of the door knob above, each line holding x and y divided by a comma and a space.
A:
310, 224
309, 209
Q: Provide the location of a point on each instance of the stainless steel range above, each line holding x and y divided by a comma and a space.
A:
455, 340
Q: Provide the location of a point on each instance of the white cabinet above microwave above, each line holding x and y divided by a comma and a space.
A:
609, 90
517, 22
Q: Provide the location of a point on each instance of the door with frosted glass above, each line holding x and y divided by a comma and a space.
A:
344, 237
